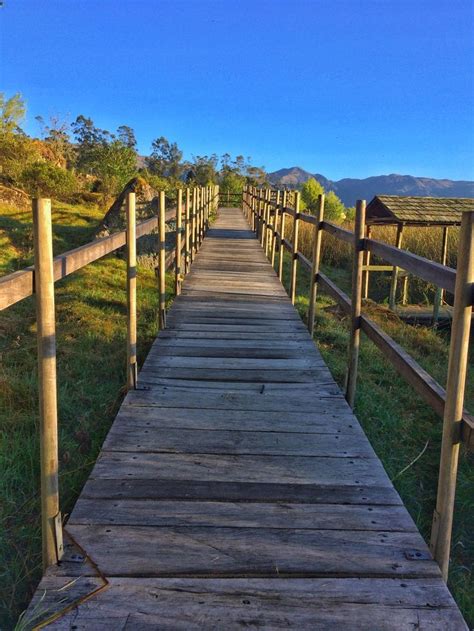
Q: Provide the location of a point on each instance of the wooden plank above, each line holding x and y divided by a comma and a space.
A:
311, 603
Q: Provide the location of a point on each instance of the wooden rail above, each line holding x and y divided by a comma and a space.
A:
458, 425
39, 280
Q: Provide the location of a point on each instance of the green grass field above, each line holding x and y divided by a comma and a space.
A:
91, 327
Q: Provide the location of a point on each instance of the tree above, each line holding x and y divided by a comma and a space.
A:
203, 170
12, 112
334, 209
165, 158
56, 136
310, 192
126, 135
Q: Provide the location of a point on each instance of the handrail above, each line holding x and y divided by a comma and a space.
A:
458, 424
193, 221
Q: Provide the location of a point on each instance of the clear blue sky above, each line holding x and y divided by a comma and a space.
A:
346, 88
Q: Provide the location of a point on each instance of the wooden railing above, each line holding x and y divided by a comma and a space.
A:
266, 211
191, 217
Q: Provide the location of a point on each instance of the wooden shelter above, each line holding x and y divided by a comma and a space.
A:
412, 211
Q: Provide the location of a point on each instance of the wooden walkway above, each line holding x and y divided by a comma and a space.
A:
236, 489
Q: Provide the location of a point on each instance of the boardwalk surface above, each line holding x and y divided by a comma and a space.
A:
236, 489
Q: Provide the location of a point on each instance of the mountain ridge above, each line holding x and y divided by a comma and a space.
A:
351, 189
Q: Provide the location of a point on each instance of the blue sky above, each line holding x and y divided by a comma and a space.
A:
346, 88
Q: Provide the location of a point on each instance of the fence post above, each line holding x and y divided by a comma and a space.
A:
394, 282
179, 212
275, 227
187, 256
294, 253
281, 247
439, 294
162, 261
193, 224
131, 292
356, 301
456, 382
267, 220
365, 276
318, 233
253, 209
52, 544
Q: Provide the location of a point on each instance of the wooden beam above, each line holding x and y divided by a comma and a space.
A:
179, 213
313, 288
162, 261
356, 301
131, 292
294, 255
394, 281
46, 334
456, 382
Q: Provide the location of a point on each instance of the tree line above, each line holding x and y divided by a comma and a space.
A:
79, 158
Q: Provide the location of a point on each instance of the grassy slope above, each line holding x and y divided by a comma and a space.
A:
398, 423
91, 327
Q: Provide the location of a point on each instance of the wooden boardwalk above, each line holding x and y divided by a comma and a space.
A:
236, 489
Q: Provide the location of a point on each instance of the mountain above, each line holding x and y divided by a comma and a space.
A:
352, 189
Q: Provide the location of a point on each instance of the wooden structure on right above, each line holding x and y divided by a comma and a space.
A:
399, 211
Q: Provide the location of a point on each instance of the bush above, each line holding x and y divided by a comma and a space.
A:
47, 180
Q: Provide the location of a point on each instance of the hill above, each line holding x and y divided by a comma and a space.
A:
351, 189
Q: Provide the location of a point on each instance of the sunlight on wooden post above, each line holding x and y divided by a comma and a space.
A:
52, 544
261, 216
366, 273
356, 300
394, 282
179, 214
253, 209
193, 225
294, 257
187, 230
281, 247
162, 261
453, 409
313, 288
275, 227
131, 292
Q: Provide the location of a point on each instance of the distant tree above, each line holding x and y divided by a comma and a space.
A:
256, 176
310, 191
165, 158
334, 209
203, 170
12, 112
126, 135
56, 136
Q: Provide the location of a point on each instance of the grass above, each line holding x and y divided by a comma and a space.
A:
396, 420
91, 329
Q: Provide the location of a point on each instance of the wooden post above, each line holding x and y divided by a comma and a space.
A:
52, 544
268, 211
201, 215
253, 209
131, 292
354, 344
187, 233
439, 294
162, 261
318, 233
261, 216
193, 225
394, 281
281, 247
453, 409
179, 212
294, 256
365, 276
275, 227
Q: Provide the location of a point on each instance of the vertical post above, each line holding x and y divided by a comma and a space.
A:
356, 300
201, 215
394, 281
275, 227
187, 235
253, 209
52, 545
453, 408
294, 253
162, 262
193, 225
365, 276
268, 212
131, 292
261, 215
439, 294
281, 247
318, 233
179, 213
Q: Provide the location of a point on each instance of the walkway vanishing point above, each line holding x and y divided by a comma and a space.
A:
236, 489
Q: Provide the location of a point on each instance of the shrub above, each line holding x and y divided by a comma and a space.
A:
47, 180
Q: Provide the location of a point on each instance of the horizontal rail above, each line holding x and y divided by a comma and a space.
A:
19, 285
429, 271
